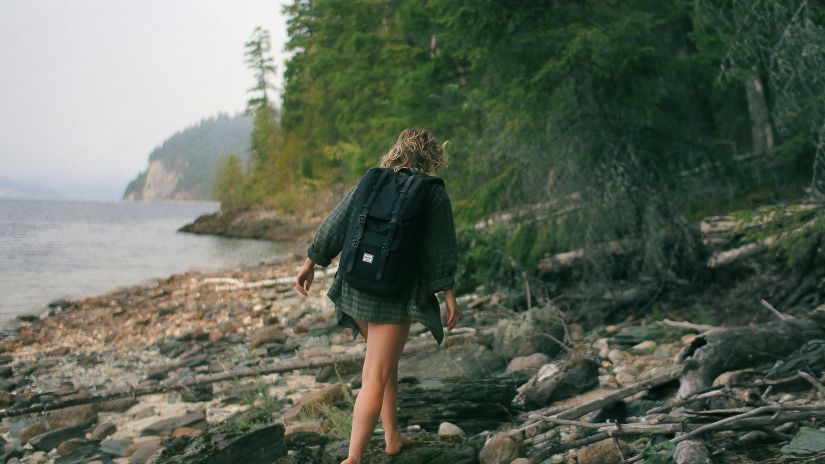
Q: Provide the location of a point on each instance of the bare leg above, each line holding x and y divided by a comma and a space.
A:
389, 408
385, 343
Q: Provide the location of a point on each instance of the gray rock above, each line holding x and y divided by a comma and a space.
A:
499, 449
268, 334
603, 452
527, 333
103, 430
165, 427
467, 360
450, 430
48, 440
83, 414
145, 450
117, 447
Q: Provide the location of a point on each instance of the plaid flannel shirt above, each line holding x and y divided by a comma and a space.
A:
437, 261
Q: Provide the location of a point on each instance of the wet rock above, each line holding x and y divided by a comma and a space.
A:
48, 440
522, 363
450, 430
528, 332
103, 430
268, 334
499, 449
118, 447
467, 360
165, 427
117, 405
558, 381
83, 414
603, 452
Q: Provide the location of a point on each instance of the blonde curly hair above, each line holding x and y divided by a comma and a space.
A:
416, 149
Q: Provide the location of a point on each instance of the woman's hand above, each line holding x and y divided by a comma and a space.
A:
305, 276
452, 309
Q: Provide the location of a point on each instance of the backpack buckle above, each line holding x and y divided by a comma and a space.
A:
362, 218
354, 243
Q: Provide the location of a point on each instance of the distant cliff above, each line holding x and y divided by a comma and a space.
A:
183, 166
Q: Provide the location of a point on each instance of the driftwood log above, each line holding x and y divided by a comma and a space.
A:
473, 405
728, 349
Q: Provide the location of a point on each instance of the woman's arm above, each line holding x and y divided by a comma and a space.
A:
452, 309
305, 277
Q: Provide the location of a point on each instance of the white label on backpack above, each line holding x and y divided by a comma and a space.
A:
367, 258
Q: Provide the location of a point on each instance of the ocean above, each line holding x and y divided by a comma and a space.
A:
70, 249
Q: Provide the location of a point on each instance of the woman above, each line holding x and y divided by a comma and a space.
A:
385, 321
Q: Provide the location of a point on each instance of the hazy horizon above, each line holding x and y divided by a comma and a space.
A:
88, 88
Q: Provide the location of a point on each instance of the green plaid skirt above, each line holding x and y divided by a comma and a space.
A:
352, 305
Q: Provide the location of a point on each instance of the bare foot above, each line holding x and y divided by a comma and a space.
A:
395, 442
349, 461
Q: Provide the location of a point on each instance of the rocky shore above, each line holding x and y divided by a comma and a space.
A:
234, 366
255, 223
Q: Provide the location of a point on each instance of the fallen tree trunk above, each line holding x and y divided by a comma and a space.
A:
473, 405
727, 349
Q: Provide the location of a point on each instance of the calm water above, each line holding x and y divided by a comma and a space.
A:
63, 249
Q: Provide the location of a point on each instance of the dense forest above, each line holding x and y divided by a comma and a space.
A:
587, 124
189, 158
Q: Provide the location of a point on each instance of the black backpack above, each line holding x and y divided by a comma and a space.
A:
379, 252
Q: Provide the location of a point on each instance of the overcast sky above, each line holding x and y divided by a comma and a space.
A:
89, 87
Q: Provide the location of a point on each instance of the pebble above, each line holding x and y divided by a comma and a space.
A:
645, 347
450, 430
616, 356
602, 346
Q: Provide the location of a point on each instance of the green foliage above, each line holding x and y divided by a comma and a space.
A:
653, 453
261, 405
617, 123
231, 183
